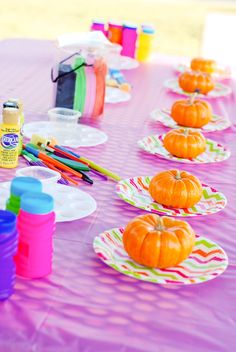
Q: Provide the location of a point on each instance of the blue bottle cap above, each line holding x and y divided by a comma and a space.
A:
130, 25
148, 29
37, 203
20, 185
7, 221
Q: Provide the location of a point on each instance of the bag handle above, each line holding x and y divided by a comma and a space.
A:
67, 73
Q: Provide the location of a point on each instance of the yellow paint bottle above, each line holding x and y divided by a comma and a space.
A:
22, 121
9, 138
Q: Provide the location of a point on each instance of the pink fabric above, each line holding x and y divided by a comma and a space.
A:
85, 305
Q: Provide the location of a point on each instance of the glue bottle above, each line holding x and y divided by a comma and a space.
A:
9, 137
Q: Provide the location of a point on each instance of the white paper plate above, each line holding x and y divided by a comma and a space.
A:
70, 202
220, 90
66, 134
116, 95
119, 62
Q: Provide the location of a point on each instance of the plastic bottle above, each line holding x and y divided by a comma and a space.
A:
98, 25
19, 104
36, 225
129, 37
9, 134
19, 186
114, 33
145, 42
8, 248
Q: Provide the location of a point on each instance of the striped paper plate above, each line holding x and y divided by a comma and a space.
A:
220, 90
214, 152
135, 192
207, 261
218, 123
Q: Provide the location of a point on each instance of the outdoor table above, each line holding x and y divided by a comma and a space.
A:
85, 305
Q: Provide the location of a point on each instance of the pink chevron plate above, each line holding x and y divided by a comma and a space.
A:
207, 261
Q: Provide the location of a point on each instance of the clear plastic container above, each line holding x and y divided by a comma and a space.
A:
64, 115
45, 175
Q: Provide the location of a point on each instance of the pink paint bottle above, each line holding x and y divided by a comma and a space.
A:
98, 25
36, 225
129, 38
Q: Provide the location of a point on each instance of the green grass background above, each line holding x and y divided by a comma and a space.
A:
179, 24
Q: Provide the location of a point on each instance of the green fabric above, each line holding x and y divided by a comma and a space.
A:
80, 86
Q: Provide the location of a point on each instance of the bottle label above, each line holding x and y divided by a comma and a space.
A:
10, 140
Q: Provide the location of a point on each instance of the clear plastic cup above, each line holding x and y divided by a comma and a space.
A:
64, 115
45, 175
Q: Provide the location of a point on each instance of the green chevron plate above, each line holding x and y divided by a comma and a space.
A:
220, 90
223, 72
214, 152
207, 261
218, 123
134, 191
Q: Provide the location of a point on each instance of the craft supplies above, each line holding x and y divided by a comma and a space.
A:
64, 115
19, 105
36, 225
129, 38
101, 169
8, 248
80, 84
19, 186
114, 32
98, 25
117, 79
9, 134
50, 160
145, 40
40, 173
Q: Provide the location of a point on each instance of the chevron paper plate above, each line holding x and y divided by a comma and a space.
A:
217, 123
135, 192
207, 261
214, 153
220, 90
224, 72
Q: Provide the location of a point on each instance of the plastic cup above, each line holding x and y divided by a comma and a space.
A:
64, 115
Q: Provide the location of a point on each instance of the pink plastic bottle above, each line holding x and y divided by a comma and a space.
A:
98, 25
36, 225
129, 38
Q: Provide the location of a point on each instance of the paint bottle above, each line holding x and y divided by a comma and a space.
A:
36, 225
9, 134
145, 43
19, 186
98, 25
8, 248
114, 33
129, 38
19, 104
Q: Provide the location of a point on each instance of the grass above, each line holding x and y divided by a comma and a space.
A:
179, 24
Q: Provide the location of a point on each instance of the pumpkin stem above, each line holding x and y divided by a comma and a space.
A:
193, 96
178, 175
160, 226
186, 131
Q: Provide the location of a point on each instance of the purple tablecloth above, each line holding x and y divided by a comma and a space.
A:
85, 305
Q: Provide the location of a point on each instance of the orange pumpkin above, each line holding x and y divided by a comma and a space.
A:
200, 64
191, 112
158, 242
174, 188
184, 143
196, 81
